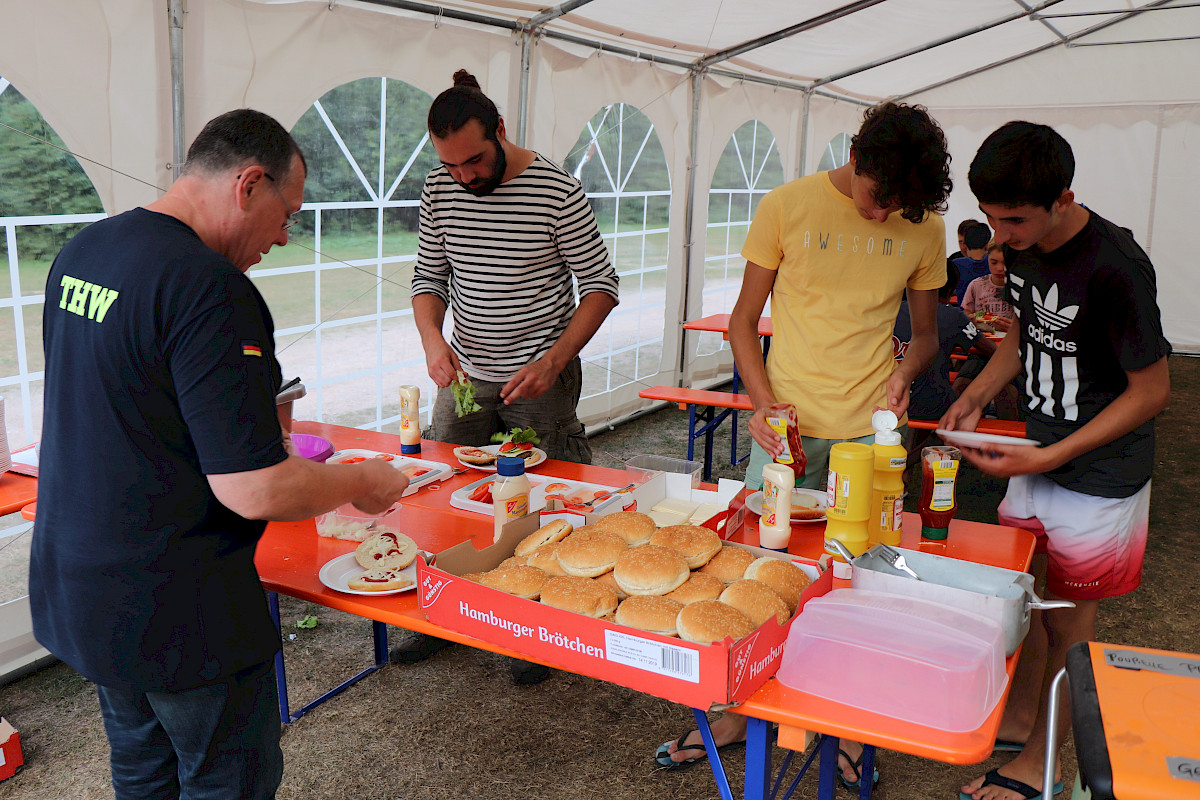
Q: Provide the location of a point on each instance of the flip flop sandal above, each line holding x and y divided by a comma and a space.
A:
994, 778
856, 765
1004, 745
662, 756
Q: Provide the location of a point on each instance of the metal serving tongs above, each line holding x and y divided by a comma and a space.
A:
896, 559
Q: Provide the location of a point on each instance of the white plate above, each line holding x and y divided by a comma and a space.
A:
337, 572
976, 440
539, 456
754, 502
436, 470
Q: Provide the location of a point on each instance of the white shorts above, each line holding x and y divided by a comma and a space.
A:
1094, 545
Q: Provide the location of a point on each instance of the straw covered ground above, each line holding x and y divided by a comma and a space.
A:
456, 727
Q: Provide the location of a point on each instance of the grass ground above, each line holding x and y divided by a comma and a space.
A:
456, 727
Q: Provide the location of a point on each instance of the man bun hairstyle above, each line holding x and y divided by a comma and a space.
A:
904, 150
461, 103
1022, 164
239, 138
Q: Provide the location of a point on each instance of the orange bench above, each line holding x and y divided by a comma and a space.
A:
710, 401
999, 427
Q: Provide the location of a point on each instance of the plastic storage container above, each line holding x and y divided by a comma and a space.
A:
905, 658
643, 468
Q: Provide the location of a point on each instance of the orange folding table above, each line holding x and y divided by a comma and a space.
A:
16, 492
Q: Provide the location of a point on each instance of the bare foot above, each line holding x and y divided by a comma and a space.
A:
851, 752
726, 730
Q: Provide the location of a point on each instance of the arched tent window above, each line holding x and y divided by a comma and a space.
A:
749, 167
836, 153
620, 162
339, 293
45, 199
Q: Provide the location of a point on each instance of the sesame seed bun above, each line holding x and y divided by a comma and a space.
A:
590, 551
729, 564
632, 526
698, 586
696, 544
756, 600
579, 595
650, 569
709, 621
650, 613
609, 580
784, 577
545, 558
521, 581
552, 532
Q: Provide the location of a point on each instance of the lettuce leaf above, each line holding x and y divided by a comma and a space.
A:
464, 395
518, 436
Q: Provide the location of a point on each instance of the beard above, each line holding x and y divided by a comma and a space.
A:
485, 186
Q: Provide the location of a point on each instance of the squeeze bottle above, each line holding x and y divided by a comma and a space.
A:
775, 524
782, 419
848, 496
410, 421
939, 470
887, 495
510, 492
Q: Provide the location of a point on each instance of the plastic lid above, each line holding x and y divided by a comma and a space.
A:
934, 533
884, 420
410, 449
510, 466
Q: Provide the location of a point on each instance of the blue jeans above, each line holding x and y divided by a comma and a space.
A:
217, 741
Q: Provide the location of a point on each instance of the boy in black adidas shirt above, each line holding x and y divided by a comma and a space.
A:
1089, 349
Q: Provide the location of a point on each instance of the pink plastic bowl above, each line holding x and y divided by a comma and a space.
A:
314, 448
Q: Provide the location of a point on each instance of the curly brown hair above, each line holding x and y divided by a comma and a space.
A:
904, 150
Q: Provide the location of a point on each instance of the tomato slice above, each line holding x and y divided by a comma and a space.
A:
507, 447
482, 493
384, 457
526, 446
352, 460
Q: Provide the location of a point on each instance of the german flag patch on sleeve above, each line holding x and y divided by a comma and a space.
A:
251, 348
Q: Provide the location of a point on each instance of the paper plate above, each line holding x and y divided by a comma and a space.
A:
754, 503
539, 456
337, 573
977, 441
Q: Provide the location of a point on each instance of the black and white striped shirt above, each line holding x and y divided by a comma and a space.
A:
503, 264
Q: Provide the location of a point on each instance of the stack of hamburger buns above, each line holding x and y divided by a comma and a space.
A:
680, 580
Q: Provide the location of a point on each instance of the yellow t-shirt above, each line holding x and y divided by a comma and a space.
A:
839, 282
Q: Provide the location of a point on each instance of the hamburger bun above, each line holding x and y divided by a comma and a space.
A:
806, 507
386, 550
545, 558
589, 551
610, 581
379, 580
650, 569
555, 531
729, 564
579, 595
784, 577
696, 544
698, 586
709, 621
756, 600
649, 613
475, 455
632, 526
514, 561
519, 581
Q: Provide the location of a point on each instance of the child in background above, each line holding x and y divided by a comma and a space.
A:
986, 294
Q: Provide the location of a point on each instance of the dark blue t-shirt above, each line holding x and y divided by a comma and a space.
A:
160, 369
968, 270
931, 394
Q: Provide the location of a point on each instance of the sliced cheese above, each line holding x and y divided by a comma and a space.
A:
683, 508
704, 512
664, 518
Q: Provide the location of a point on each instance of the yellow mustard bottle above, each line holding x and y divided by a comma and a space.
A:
848, 496
887, 495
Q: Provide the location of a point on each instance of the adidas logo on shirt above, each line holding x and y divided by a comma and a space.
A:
1052, 318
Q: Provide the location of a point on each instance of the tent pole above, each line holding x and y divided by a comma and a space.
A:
523, 96
803, 166
689, 214
175, 12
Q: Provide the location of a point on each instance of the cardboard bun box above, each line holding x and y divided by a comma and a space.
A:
697, 675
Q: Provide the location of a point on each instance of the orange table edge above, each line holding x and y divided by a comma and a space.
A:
16, 492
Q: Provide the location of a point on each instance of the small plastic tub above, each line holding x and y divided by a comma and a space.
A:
642, 468
314, 448
909, 659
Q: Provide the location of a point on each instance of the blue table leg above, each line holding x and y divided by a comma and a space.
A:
379, 631
758, 758
714, 757
827, 777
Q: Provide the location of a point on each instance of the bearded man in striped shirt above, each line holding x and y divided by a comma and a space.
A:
502, 232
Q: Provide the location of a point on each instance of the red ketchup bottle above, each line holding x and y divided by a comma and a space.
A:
781, 417
939, 470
